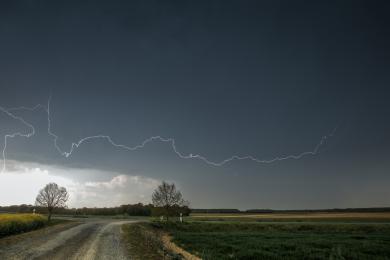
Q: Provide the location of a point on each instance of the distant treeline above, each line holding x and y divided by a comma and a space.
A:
138, 209
237, 211
216, 211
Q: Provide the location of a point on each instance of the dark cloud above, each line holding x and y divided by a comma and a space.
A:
224, 77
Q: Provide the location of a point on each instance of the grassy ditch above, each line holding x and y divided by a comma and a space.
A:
145, 242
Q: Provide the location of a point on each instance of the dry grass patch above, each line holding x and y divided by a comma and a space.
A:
323, 216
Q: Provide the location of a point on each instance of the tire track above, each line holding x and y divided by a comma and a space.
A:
93, 239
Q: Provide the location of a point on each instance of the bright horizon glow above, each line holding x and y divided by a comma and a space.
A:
22, 181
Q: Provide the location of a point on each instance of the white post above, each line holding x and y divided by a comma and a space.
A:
34, 211
181, 217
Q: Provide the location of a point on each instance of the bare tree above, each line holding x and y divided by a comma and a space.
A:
168, 198
52, 196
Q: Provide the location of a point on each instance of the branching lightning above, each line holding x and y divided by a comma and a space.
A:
7, 136
170, 141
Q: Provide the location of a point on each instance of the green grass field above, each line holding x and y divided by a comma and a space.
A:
278, 240
18, 223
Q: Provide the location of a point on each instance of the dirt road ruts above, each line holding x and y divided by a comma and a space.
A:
91, 239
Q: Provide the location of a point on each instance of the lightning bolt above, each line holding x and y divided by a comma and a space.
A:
17, 134
170, 141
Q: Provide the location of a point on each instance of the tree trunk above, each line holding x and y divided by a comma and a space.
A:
167, 212
49, 216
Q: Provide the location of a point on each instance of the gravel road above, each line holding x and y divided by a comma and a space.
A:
90, 239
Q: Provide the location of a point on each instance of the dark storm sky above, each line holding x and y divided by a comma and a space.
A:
265, 78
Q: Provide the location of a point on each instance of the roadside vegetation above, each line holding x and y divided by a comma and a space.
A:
145, 242
11, 224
